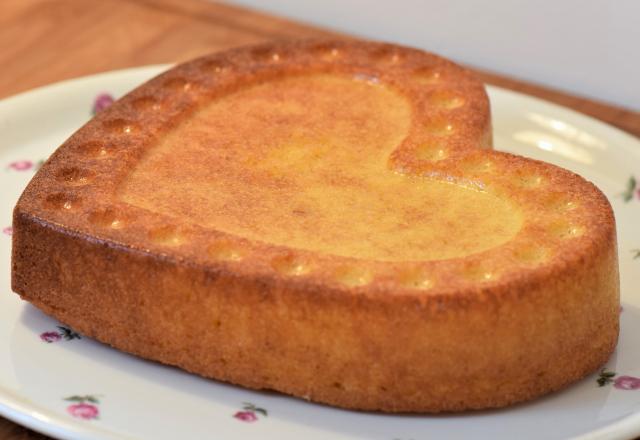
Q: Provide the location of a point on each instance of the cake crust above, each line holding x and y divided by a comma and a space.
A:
479, 330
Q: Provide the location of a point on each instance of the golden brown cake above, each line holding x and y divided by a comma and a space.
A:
328, 220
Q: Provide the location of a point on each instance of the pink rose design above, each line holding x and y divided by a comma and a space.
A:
83, 411
250, 412
638, 193
50, 337
246, 416
627, 383
21, 165
101, 102
8, 230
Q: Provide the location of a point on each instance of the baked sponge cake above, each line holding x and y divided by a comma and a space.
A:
328, 220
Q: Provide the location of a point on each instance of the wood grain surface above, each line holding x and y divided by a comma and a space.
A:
44, 41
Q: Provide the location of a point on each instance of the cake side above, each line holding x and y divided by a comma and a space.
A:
479, 348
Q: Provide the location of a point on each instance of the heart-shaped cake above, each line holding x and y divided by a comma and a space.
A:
325, 219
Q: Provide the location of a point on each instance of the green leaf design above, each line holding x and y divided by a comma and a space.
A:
261, 411
68, 334
82, 399
248, 406
605, 377
636, 253
627, 195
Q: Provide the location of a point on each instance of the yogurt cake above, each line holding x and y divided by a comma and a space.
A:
326, 219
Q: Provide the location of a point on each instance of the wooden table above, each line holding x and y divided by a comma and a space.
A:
43, 41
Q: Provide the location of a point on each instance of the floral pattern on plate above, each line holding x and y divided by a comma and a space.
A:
250, 413
25, 165
84, 407
102, 101
63, 333
607, 377
632, 191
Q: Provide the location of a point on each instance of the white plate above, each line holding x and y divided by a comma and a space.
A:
121, 396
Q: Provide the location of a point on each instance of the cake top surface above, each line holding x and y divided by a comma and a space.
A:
303, 161
354, 165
